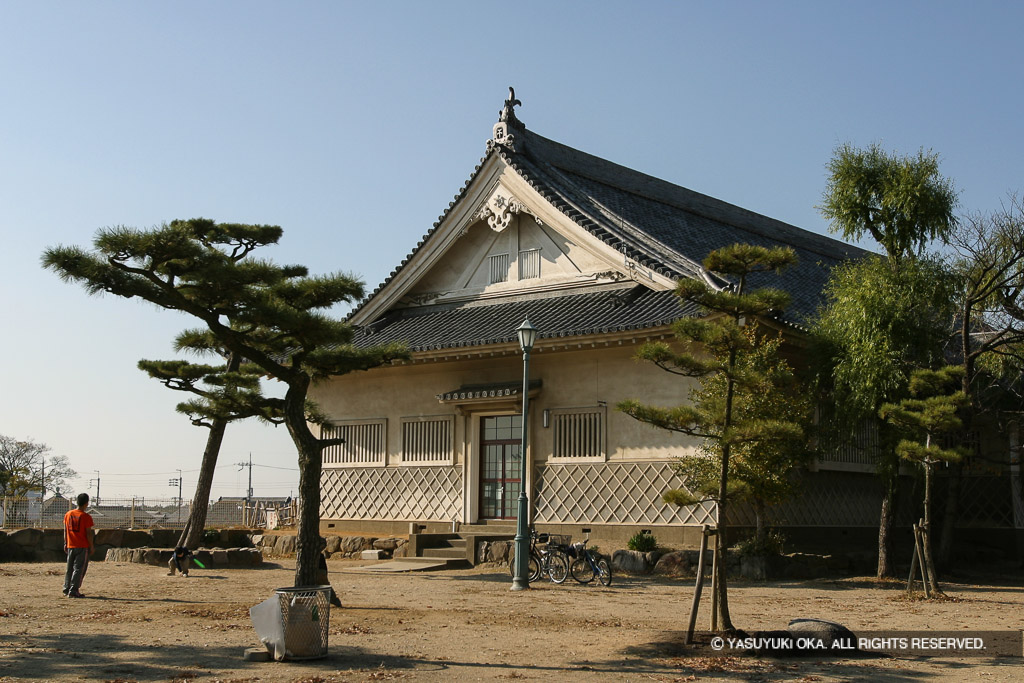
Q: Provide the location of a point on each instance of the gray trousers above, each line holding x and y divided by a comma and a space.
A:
78, 560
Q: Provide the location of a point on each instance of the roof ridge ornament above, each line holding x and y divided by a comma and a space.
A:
502, 134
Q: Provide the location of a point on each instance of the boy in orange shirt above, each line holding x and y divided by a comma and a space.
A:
78, 544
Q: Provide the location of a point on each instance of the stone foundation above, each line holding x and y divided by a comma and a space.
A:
283, 545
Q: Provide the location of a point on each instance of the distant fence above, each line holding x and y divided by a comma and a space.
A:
148, 513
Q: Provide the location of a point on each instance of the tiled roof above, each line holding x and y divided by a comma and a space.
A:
667, 228
431, 328
662, 227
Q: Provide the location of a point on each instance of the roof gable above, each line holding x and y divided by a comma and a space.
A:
589, 218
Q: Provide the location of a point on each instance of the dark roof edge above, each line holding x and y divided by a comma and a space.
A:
636, 182
423, 240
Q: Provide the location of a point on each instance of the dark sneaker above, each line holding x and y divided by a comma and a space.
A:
75, 594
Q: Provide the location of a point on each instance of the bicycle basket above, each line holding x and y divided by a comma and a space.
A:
558, 540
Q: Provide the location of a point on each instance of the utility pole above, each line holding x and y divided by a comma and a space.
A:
248, 495
97, 486
177, 482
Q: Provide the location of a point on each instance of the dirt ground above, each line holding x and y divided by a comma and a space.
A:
137, 624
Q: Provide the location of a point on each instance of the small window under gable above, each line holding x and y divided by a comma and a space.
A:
364, 443
427, 440
529, 264
498, 268
578, 434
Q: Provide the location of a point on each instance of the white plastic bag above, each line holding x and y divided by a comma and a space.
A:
269, 624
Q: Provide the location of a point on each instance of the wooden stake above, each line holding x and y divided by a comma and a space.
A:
699, 587
714, 583
924, 570
913, 564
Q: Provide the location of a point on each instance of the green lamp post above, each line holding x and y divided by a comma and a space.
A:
521, 581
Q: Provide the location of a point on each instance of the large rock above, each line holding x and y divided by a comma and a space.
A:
136, 539
674, 564
388, 544
333, 544
754, 567
631, 561
111, 537
834, 637
285, 545
27, 538
351, 546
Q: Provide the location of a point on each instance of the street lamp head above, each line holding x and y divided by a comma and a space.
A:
527, 335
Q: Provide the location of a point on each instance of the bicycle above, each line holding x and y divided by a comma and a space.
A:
551, 561
586, 566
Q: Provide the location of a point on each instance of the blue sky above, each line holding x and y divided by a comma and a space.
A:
352, 125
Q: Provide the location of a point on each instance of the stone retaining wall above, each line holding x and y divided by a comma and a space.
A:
212, 559
47, 545
283, 545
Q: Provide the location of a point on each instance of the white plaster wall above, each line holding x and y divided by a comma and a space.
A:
571, 378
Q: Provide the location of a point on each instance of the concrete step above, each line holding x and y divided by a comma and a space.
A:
403, 564
488, 529
453, 553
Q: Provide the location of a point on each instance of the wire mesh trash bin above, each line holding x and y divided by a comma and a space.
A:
306, 616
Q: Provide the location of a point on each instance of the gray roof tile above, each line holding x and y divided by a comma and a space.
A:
429, 328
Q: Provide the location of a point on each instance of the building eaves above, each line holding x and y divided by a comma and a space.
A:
430, 328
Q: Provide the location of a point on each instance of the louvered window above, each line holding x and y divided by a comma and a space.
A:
578, 434
529, 264
427, 440
498, 268
364, 443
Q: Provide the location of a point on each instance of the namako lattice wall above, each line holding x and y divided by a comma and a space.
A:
392, 493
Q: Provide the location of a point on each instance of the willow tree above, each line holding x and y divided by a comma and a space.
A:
714, 348
274, 316
879, 321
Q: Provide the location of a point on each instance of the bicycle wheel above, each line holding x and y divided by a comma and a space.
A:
604, 572
532, 569
558, 568
582, 571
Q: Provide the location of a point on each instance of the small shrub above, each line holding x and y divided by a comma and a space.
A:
772, 546
211, 536
643, 541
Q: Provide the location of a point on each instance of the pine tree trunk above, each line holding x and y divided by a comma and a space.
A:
307, 546
760, 531
885, 525
195, 525
928, 474
723, 481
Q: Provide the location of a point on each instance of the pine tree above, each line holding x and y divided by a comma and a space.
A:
762, 468
717, 347
270, 315
221, 394
930, 413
